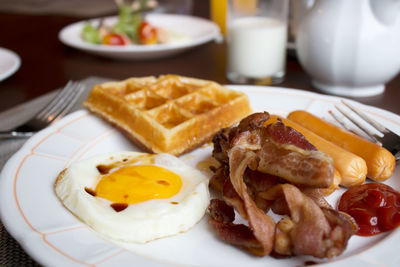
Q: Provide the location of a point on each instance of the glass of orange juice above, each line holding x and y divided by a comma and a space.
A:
218, 13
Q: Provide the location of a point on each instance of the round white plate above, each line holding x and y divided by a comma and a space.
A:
197, 29
54, 237
9, 63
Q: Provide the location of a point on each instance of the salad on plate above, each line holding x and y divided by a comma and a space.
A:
131, 28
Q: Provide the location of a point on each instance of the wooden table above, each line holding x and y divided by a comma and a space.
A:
48, 64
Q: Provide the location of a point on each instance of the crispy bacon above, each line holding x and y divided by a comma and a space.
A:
240, 235
279, 150
254, 159
232, 198
281, 134
309, 230
316, 195
320, 232
286, 153
220, 211
222, 140
221, 174
253, 121
255, 181
261, 224
259, 182
221, 145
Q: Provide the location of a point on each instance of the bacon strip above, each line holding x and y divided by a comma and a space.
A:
256, 182
313, 231
316, 195
280, 151
220, 211
221, 174
286, 153
240, 235
232, 198
223, 139
261, 224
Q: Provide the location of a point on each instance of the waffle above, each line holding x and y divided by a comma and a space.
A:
171, 114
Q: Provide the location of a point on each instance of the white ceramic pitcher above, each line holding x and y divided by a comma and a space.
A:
350, 47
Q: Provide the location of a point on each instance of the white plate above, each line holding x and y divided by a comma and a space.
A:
197, 29
51, 235
9, 63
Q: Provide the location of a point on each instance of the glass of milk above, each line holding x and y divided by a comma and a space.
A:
257, 37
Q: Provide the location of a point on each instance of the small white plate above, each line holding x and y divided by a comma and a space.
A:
48, 232
9, 63
197, 29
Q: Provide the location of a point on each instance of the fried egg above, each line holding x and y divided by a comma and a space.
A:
134, 197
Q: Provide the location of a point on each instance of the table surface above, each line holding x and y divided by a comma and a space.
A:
48, 64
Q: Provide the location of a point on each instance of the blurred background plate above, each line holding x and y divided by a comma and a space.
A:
198, 30
9, 63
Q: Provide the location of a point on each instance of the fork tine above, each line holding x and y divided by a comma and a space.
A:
374, 123
367, 131
66, 101
70, 102
44, 113
63, 100
349, 127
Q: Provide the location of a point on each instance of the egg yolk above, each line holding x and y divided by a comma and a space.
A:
138, 183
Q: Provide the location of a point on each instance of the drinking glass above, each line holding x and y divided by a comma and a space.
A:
256, 40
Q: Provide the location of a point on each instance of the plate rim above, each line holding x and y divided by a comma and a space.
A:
14, 160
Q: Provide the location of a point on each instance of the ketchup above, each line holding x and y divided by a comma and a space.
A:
374, 206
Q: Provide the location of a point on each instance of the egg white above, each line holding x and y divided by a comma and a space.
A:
141, 222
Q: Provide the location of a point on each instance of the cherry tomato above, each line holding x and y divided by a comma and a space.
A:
147, 33
114, 39
374, 206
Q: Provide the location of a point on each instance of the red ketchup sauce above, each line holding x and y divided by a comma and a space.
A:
374, 206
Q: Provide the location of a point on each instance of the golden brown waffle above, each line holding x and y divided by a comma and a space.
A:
171, 114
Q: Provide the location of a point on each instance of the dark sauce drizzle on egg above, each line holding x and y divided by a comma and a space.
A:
90, 191
119, 206
105, 169
116, 206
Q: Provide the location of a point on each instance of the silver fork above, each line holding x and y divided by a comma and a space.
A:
387, 138
53, 111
